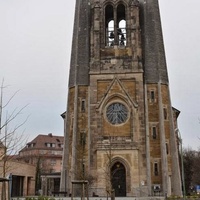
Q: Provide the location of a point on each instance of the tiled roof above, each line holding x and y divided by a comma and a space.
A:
42, 142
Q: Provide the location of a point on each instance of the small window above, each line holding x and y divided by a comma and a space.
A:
156, 169
165, 113
167, 148
48, 144
41, 152
53, 162
33, 144
154, 132
53, 145
60, 145
83, 105
152, 96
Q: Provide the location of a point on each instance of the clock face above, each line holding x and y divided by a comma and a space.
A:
117, 113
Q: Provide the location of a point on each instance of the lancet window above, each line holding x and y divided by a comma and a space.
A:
155, 169
154, 132
115, 25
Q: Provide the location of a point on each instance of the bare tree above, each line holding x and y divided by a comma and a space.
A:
196, 168
81, 172
188, 161
108, 173
11, 140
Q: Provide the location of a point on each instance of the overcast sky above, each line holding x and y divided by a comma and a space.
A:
35, 49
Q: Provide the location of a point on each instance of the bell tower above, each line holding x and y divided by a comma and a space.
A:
119, 124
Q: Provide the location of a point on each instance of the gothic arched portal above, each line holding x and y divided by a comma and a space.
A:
118, 173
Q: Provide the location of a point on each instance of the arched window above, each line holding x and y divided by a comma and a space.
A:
156, 169
154, 132
121, 25
115, 25
109, 22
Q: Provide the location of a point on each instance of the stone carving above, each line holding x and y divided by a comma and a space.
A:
134, 3
97, 4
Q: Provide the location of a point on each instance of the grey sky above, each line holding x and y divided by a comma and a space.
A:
35, 45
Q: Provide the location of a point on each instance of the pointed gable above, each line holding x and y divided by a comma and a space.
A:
124, 89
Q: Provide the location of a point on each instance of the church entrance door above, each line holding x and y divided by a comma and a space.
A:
118, 173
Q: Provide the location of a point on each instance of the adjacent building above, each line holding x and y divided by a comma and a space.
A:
14, 173
45, 152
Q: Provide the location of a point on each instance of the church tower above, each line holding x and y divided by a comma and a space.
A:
119, 124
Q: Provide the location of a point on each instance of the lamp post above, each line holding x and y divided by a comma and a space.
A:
182, 166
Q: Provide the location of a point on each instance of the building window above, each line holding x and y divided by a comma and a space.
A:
50, 145
83, 105
165, 113
53, 145
152, 96
42, 151
61, 145
115, 25
117, 113
154, 132
167, 148
53, 162
156, 169
30, 145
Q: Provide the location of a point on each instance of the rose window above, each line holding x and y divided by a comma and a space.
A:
117, 113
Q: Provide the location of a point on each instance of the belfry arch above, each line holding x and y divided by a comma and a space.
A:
115, 24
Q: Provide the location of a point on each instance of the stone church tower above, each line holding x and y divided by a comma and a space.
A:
119, 125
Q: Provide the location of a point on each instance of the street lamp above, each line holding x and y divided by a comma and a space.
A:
182, 166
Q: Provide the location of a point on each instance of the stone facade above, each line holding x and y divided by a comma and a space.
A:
119, 125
